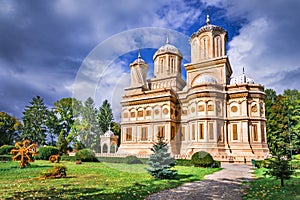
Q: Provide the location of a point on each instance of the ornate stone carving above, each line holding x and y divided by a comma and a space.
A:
192, 109
148, 112
132, 114
165, 111
201, 108
140, 113
210, 107
156, 112
125, 115
234, 109
254, 108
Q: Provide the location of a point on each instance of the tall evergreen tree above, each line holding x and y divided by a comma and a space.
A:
161, 161
34, 120
105, 116
9, 129
53, 128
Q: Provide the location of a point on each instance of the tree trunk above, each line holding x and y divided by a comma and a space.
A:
281, 182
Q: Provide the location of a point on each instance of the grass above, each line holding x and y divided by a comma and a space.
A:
266, 187
89, 181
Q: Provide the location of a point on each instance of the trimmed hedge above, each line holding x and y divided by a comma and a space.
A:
184, 162
44, 153
68, 158
133, 160
5, 149
86, 155
119, 159
6, 158
202, 159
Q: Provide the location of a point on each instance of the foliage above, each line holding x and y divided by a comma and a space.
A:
90, 181
58, 171
297, 157
133, 160
9, 129
184, 162
67, 158
280, 169
54, 158
202, 159
24, 152
283, 121
5, 158
105, 116
5, 149
34, 120
265, 187
44, 153
67, 110
86, 155
119, 159
53, 127
161, 161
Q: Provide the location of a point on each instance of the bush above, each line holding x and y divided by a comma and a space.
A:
68, 158
297, 157
44, 153
202, 159
6, 157
5, 149
133, 160
85, 155
58, 171
119, 159
184, 162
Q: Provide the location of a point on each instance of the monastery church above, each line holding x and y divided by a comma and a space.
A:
211, 111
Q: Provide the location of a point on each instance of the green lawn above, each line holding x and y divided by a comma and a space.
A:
269, 188
89, 181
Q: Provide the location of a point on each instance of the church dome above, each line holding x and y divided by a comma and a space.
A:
167, 48
139, 60
205, 79
209, 27
109, 133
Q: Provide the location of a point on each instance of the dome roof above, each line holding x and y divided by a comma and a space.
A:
241, 79
209, 27
109, 133
139, 60
205, 79
167, 48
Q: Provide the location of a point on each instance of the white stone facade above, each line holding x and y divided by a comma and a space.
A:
207, 112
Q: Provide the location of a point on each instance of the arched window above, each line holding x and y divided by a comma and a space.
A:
105, 148
112, 148
218, 46
161, 65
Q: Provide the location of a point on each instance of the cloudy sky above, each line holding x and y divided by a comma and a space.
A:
82, 48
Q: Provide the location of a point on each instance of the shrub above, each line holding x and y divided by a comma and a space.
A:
68, 158
119, 159
297, 157
44, 153
5, 149
85, 155
58, 171
184, 162
133, 160
202, 159
6, 158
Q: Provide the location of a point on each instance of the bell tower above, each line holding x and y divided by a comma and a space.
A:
208, 43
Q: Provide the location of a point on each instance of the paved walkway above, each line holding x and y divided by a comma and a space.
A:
224, 184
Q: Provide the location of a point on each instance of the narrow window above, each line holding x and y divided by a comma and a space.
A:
201, 131
161, 65
128, 134
161, 132
193, 132
254, 132
183, 133
234, 132
144, 136
211, 131
263, 139
172, 133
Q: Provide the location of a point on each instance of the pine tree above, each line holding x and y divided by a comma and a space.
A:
105, 116
34, 119
161, 161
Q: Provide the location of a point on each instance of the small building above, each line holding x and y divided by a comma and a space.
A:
109, 142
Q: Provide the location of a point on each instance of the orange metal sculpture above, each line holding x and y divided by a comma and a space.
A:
24, 152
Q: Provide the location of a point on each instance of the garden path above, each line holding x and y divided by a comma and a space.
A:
224, 184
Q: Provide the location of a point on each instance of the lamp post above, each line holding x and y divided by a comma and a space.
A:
290, 138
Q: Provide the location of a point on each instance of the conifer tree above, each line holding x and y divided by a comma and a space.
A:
161, 161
